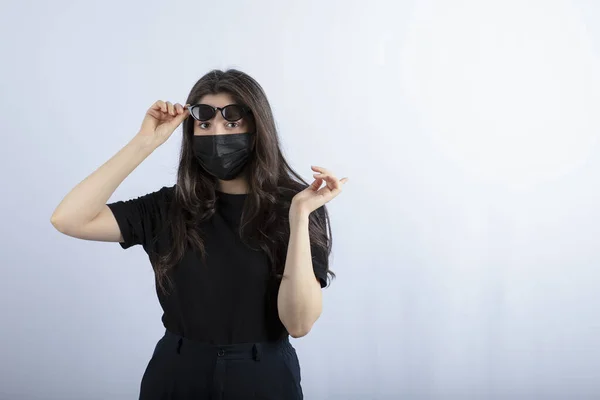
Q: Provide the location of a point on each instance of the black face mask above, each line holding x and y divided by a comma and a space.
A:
223, 156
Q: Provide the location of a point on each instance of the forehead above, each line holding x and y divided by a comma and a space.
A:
217, 100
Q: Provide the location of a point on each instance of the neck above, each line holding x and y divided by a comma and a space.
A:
238, 185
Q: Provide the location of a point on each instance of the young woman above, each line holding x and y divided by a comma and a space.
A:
239, 245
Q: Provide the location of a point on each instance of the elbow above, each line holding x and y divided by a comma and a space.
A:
59, 224
299, 322
56, 223
302, 326
298, 332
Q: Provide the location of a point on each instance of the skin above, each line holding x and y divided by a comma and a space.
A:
300, 301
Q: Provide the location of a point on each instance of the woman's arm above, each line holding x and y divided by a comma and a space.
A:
83, 212
299, 301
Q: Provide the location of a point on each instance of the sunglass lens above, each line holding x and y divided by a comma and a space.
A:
203, 112
233, 112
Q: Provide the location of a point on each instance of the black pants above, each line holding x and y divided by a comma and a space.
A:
182, 369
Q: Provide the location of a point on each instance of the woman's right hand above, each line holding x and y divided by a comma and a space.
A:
161, 120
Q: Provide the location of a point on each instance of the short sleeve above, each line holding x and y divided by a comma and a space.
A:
142, 219
320, 257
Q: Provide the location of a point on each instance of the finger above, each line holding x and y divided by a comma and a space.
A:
325, 171
180, 117
330, 181
170, 108
333, 183
183, 110
327, 191
320, 169
157, 105
316, 183
178, 108
327, 177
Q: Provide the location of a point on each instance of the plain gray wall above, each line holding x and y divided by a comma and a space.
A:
466, 242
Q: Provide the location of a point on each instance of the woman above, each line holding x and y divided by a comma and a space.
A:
239, 247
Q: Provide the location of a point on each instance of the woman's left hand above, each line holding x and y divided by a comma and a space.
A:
312, 197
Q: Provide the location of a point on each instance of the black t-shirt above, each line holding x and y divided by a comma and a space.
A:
228, 299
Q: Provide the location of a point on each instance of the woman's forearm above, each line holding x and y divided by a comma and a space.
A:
88, 198
299, 300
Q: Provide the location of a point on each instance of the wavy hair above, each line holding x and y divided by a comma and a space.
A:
272, 184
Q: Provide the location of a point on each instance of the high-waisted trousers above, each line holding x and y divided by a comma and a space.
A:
183, 369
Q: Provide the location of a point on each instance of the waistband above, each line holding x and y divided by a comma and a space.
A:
226, 351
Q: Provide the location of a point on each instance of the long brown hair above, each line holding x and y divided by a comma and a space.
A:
272, 184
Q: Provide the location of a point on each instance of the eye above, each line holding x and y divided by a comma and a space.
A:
235, 124
202, 123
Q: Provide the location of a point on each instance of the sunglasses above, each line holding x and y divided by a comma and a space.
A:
231, 112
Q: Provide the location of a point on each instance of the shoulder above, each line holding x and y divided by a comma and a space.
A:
161, 201
160, 197
166, 192
162, 194
142, 218
149, 205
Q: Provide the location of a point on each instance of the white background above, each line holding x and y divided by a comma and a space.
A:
466, 242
